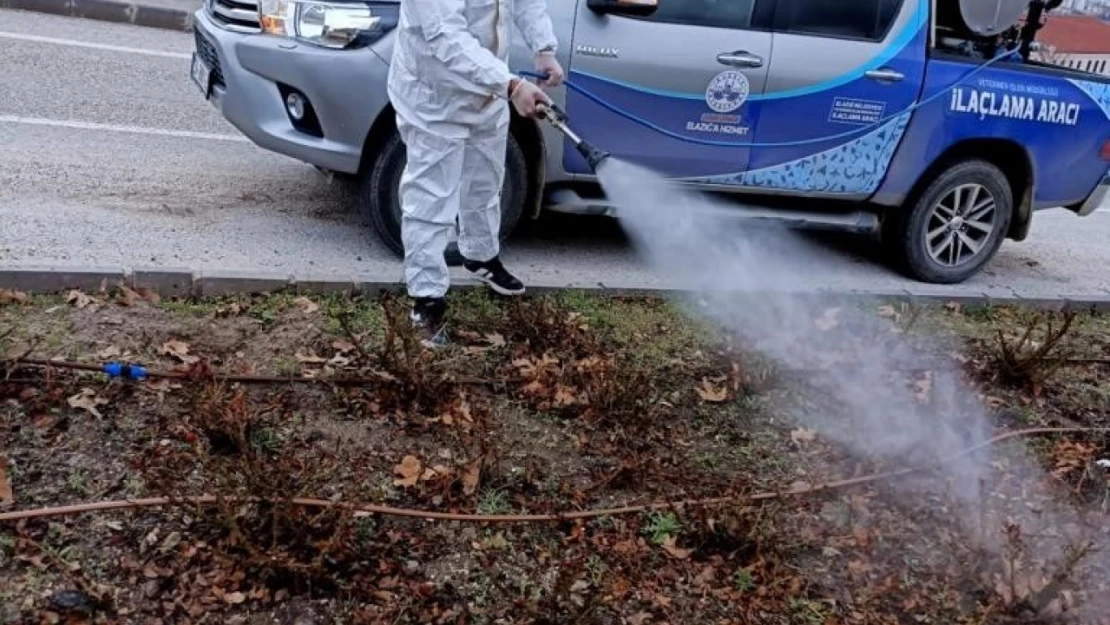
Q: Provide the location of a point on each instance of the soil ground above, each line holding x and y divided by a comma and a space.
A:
549, 404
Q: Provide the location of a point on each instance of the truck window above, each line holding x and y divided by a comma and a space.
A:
737, 14
851, 19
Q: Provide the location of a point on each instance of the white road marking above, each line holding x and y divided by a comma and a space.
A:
95, 46
140, 130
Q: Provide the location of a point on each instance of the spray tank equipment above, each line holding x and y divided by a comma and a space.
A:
557, 118
979, 18
985, 26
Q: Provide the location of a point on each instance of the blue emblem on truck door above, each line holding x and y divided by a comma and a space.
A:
727, 91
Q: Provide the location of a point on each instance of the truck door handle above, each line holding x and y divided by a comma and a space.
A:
884, 75
740, 58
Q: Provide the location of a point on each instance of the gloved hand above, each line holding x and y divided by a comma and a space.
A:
547, 65
525, 96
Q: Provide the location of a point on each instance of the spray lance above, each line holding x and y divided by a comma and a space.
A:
555, 116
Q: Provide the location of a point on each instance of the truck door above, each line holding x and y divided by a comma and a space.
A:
842, 73
692, 68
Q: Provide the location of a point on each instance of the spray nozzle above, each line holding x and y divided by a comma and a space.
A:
558, 118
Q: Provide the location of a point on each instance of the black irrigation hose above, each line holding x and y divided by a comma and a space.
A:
138, 372
572, 515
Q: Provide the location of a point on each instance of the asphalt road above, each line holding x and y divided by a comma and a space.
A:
109, 158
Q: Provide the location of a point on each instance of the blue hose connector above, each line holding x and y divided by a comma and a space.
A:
125, 371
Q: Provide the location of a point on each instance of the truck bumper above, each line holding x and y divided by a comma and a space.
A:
1096, 198
252, 73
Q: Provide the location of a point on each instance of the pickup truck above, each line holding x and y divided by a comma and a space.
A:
928, 123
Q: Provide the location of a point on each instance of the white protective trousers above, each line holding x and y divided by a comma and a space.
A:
449, 84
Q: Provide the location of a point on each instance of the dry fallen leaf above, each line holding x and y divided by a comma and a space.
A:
710, 393
439, 470
5, 483
78, 299
339, 360
564, 396
161, 387
108, 353
310, 359
859, 567
923, 386
409, 470
306, 305
471, 476
673, 550
828, 320
12, 297
232, 309
88, 400
496, 340
235, 598
150, 295
803, 435
179, 350
128, 296
343, 346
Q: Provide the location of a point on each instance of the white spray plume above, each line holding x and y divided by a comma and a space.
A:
764, 284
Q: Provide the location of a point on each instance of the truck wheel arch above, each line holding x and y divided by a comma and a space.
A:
383, 126
530, 139
1009, 156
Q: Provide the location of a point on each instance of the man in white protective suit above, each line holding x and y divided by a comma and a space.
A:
451, 86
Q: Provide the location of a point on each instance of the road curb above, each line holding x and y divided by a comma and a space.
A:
186, 283
109, 11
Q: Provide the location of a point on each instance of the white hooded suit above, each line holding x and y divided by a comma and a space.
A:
449, 83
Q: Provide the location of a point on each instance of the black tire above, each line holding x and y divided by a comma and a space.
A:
905, 230
379, 200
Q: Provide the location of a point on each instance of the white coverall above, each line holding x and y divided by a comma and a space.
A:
449, 83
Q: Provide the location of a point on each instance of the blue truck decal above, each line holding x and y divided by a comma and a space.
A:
735, 116
857, 166
1098, 92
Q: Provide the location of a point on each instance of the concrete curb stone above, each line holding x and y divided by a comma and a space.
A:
373, 284
176, 282
324, 285
115, 11
166, 281
1094, 303
1043, 303
56, 279
216, 283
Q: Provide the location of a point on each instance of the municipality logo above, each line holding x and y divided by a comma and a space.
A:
727, 91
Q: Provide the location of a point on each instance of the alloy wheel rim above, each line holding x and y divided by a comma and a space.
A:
961, 224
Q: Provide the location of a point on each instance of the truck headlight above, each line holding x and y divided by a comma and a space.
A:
328, 24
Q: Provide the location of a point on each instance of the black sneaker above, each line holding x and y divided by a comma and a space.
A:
493, 273
428, 317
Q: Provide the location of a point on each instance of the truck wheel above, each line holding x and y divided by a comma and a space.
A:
379, 200
955, 226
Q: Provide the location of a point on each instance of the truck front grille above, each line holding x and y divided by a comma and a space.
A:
207, 52
237, 15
